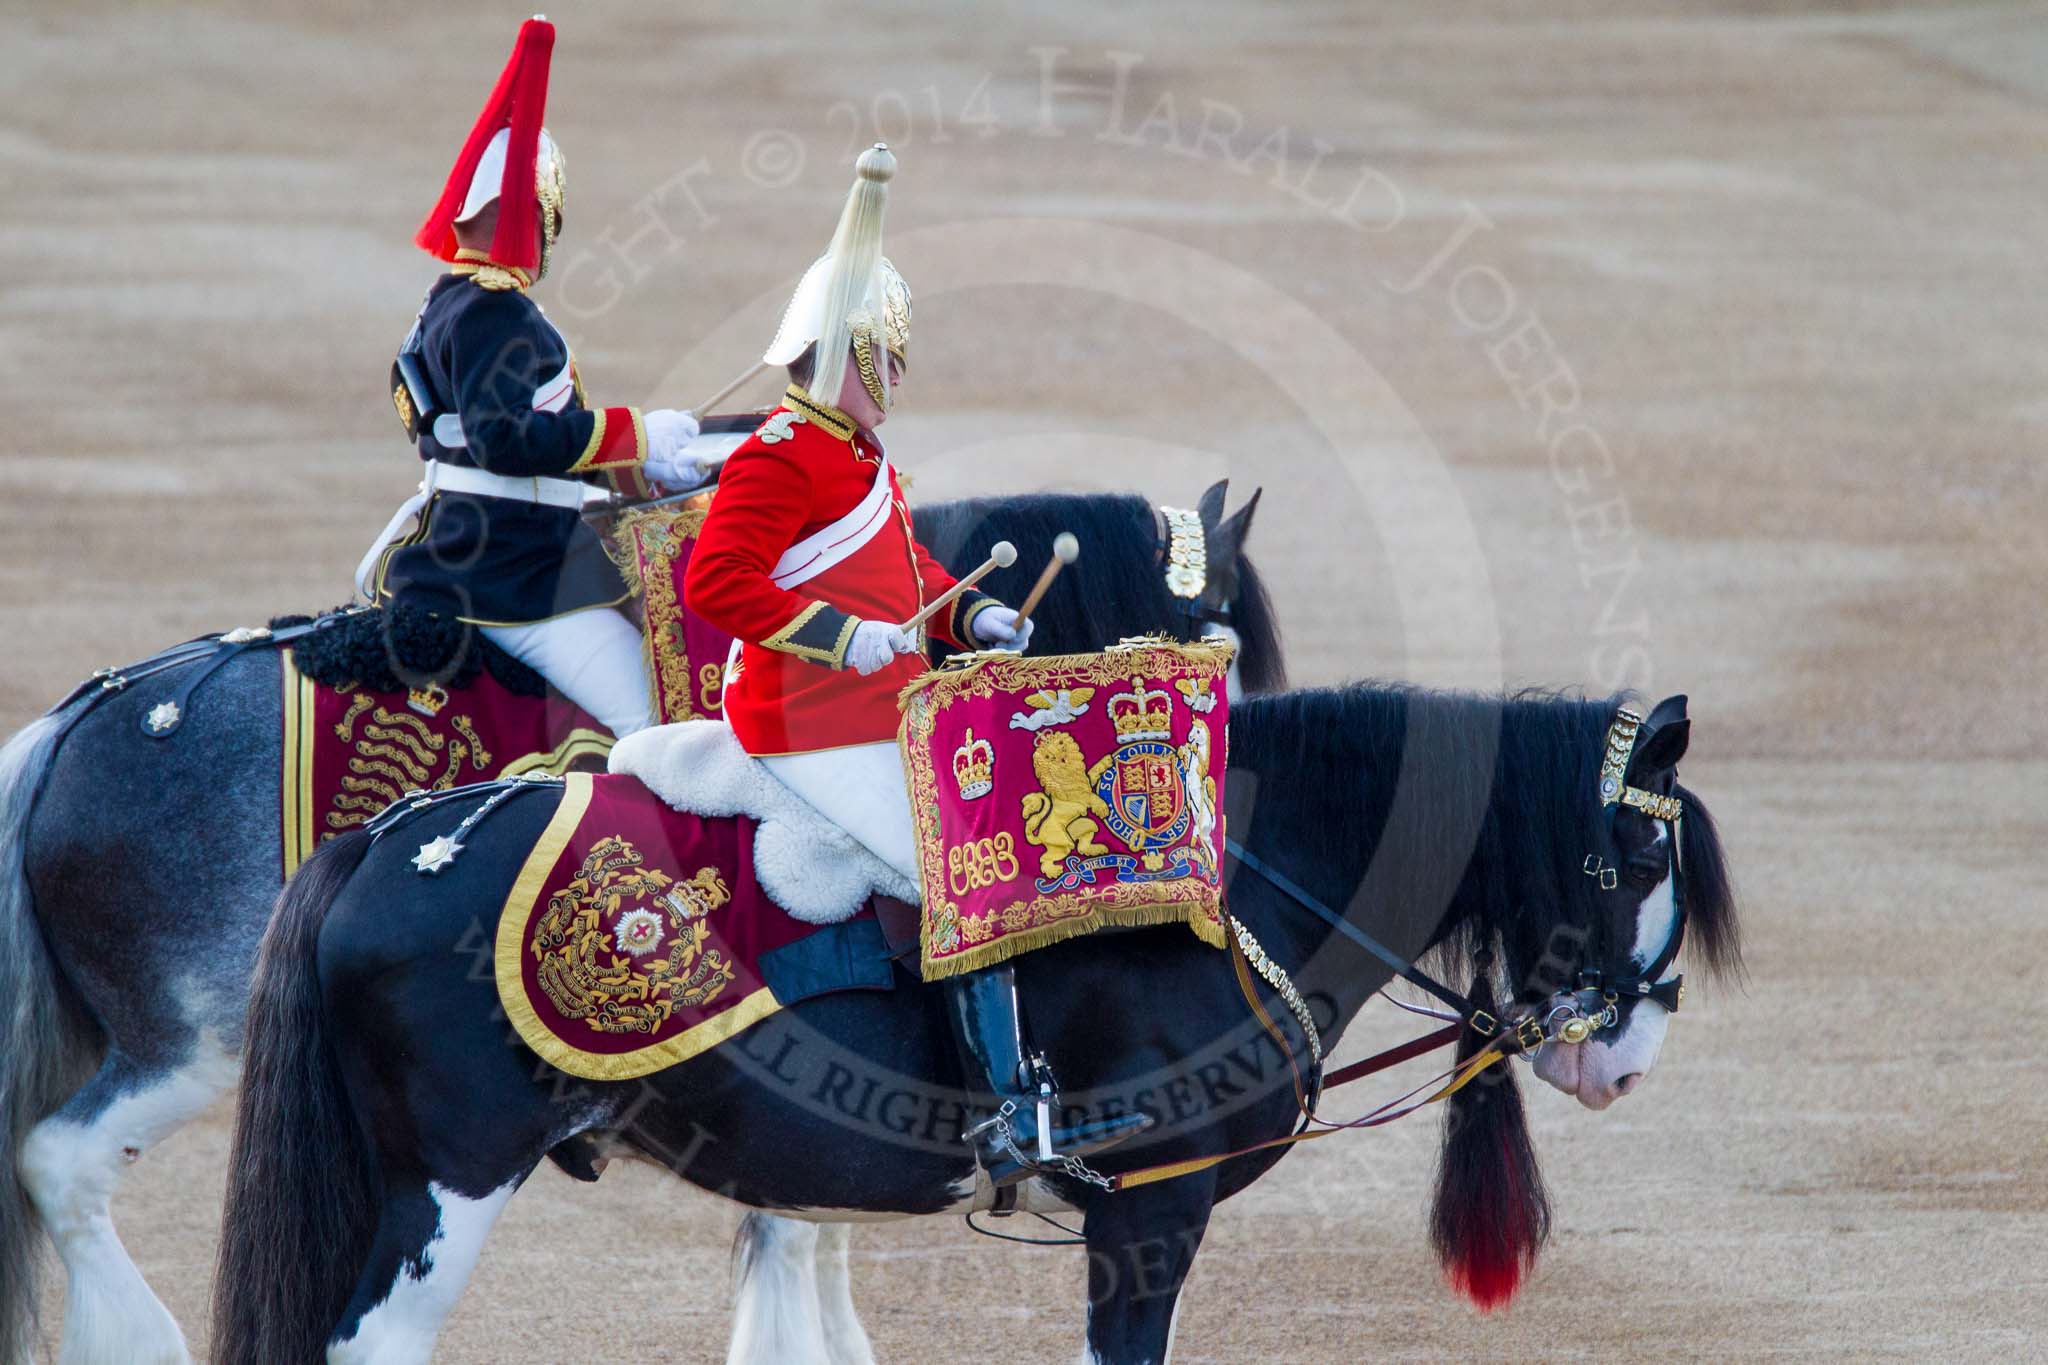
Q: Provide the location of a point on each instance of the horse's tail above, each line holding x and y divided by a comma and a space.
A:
1492, 1214
301, 1201
40, 1040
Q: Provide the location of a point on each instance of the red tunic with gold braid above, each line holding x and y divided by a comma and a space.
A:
800, 545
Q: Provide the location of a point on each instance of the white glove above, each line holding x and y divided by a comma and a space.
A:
998, 626
875, 644
668, 431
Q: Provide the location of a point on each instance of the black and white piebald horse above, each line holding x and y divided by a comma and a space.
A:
129, 923
387, 1116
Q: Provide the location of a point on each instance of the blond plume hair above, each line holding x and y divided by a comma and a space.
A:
853, 292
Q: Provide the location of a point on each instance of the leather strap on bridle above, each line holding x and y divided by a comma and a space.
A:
1181, 549
1525, 1036
1452, 1082
1502, 1044
1612, 976
1528, 1033
1394, 1056
1287, 887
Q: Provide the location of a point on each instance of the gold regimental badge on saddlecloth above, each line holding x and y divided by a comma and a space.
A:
622, 946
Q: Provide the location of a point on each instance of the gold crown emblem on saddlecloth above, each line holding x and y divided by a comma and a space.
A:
1142, 713
974, 767
427, 700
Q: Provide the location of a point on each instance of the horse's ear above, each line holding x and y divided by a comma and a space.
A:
1666, 711
1229, 538
1211, 505
1665, 735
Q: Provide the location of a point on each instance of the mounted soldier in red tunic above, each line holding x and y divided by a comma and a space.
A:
809, 559
487, 388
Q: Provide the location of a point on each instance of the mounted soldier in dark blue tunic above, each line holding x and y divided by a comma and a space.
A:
488, 389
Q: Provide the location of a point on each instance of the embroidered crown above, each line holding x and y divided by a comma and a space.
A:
1142, 713
427, 700
974, 767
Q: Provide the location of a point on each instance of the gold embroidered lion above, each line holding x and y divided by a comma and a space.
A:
1062, 818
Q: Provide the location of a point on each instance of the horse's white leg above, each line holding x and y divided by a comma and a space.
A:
846, 1341
776, 1318
401, 1328
70, 1163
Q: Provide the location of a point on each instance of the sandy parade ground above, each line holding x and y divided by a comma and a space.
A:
1684, 347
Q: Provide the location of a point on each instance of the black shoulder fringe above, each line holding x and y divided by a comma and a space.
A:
392, 649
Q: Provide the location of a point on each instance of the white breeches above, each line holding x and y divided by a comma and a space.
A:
861, 789
592, 658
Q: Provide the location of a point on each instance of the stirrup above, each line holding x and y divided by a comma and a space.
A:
1003, 1134
1003, 1158
1007, 1164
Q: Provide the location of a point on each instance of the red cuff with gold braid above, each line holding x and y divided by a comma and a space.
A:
617, 441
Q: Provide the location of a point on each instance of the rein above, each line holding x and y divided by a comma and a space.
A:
1575, 1016
1287, 887
208, 651
1246, 956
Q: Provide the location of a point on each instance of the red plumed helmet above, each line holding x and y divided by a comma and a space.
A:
508, 157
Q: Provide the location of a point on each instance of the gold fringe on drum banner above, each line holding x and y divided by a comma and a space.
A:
1010, 945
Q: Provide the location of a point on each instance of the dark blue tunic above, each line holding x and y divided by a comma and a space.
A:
516, 408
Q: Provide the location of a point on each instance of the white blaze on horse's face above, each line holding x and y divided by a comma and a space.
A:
1613, 1063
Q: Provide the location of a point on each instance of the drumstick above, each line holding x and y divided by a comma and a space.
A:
703, 409
1065, 550
1001, 555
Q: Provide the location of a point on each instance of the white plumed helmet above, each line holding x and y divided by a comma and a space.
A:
852, 291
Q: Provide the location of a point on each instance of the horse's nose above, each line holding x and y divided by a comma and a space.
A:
1628, 1083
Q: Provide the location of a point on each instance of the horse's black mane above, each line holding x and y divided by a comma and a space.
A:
1449, 794
1460, 822
398, 647
1128, 586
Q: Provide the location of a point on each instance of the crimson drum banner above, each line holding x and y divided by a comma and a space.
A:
1056, 796
685, 655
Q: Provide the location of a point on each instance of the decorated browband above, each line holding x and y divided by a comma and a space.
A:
1621, 745
1187, 552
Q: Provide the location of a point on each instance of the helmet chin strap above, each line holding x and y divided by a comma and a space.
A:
551, 227
870, 374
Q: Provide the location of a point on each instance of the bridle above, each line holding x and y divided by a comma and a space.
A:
1181, 546
1593, 1004
1569, 1016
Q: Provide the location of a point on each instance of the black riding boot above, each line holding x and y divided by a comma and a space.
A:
991, 1038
